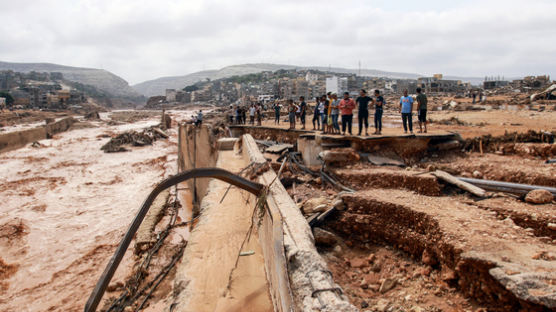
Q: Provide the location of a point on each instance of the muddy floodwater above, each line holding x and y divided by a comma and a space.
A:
65, 206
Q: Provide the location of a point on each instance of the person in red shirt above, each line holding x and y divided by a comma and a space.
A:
346, 109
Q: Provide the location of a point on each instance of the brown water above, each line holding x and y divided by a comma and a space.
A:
64, 208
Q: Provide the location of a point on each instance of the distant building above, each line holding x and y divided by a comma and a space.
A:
183, 97
493, 84
531, 82
20, 98
436, 83
337, 85
404, 84
170, 95
265, 98
311, 77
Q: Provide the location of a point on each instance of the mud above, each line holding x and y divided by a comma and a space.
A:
429, 231
361, 271
489, 143
74, 203
376, 177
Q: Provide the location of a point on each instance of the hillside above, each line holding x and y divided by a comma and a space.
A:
99, 78
158, 86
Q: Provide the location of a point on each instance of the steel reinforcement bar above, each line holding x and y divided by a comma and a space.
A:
221, 174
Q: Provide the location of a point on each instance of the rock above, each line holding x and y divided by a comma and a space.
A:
338, 249
358, 263
477, 174
323, 237
448, 274
372, 278
428, 258
339, 205
508, 221
551, 226
539, 196
426, 271
377, 267
382, 305
340, 156
364, 304
312, 205
115, 286
387, 285
92, 115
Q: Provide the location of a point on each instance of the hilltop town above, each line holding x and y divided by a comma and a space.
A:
284, 84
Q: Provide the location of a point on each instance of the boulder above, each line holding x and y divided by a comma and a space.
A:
387, 285
338, 204
428, 258
92, 115
312, 205
539, 196
340, 156
358, 263
323, 237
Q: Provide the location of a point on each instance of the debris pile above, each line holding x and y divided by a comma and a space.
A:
135, 138
451, 121
94, 115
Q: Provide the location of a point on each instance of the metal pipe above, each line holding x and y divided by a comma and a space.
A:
221, 174
514, 188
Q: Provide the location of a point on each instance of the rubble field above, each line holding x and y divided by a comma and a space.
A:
407, 242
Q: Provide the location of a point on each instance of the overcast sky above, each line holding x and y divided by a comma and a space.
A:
142, 40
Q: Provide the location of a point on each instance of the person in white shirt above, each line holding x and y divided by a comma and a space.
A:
252, 111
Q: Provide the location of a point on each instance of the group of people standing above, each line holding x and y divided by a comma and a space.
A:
335, 116
406, 109
330, 112
255, 113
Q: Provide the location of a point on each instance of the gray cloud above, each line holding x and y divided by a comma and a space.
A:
142, 40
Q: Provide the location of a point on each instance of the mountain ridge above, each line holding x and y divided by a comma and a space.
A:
99, 78
159, 85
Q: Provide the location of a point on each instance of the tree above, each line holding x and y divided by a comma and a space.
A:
191, 88
9, 98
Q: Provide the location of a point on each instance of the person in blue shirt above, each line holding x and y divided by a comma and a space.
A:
406, 106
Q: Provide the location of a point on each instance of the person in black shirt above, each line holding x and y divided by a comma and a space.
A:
379, 108
316, 114
363, 114
303, 113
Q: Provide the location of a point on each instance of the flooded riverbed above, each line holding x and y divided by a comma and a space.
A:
65, 206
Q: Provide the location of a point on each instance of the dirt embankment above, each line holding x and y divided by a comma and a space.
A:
492, 261
508, 168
